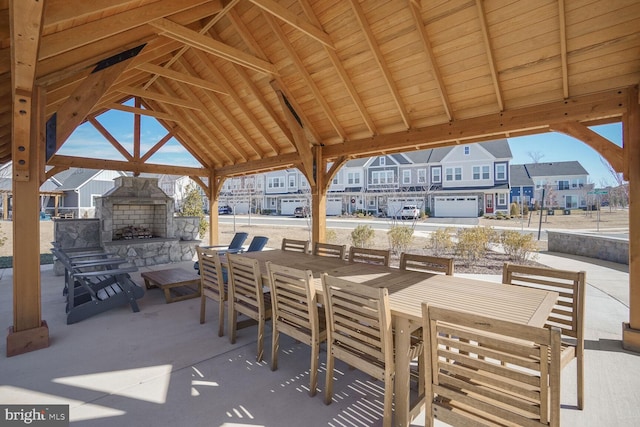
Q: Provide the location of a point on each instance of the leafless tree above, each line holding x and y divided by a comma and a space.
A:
620, 191
535, 156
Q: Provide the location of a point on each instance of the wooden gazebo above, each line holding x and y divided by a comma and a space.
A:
254, 85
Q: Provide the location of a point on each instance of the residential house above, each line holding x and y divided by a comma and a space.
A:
565, 184
522, 186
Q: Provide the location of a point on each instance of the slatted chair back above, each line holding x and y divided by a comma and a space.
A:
329, 250
246, 296
295, 245
568, 313
426, 263
370, 256
257, 243
359, 333
295, 313
212, 283
484, 371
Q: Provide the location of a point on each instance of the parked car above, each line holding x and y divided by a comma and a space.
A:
410, 212
225, 210
301, 212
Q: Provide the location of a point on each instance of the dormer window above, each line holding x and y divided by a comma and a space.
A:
382, 161
467, 151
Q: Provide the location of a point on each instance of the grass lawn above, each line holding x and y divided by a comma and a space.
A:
7, 261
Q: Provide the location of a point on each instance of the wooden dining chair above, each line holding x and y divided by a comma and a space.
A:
212, 284
295, 313
295, 245
568, 313
359, 332
426, 263
485, 371
246, 296
329, 250
370, 256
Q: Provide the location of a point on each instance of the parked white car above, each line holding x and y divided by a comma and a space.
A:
410, 212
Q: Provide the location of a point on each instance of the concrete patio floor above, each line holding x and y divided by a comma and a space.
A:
161, 367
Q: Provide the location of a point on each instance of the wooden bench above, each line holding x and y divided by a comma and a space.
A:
176, 283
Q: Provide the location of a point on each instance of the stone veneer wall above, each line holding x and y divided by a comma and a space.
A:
607, 248
85, 233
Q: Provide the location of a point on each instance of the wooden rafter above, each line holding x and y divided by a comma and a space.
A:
59, 12
295, 21
141, 111
342, 73
181, 77
218, 16
563, 48
379, 58
158, 145
214, 47
282, 161
157, 97
112, 140
318, 96
489, 50
416, 12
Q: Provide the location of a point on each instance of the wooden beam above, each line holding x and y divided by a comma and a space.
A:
489, 50
319, 199
295, 21
609, 150
129, 90
80, 35
158, 145
74, 111
142, 111
379, 58
28, 332
563, 48
114, 142
281, 161
181, 77
207, 44
117, 165
416, 11
609, 104
61, 11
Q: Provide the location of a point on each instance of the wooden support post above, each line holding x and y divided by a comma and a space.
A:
631, 122
29, 332
214, 191
319, 199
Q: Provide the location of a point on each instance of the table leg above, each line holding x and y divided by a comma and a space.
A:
403, 374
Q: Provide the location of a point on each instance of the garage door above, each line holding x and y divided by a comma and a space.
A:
334, 206
287, 206
456, 207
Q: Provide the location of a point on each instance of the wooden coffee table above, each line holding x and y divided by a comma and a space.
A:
177, 284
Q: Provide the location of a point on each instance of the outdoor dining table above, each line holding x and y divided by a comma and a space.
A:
407, 291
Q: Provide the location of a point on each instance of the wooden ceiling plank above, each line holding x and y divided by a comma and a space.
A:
73, 112
608, 150
318, 96
194, 39
536, 119
60, 11
228, 7
377, 55
342, 73
112, 140
80, 35
240, 103
563, 48
87, 56
181, 77
295, 21
157, 97
117, 165
482, 18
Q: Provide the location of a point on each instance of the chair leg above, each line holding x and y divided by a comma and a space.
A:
221, 318
328, 386
233, 319
203, 303
260, 339
313, 371
388, 399
275, 346
580, 380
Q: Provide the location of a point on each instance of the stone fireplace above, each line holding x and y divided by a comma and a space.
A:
135, 208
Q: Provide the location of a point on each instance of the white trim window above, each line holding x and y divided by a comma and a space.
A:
502, 199
422, 176
476, 173
353, 178
406, 177
485, 172
382, 177
382, 161
276, 182
467, 150
436, 175
501, 172
453, 174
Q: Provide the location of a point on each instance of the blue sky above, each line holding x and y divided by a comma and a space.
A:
86, 141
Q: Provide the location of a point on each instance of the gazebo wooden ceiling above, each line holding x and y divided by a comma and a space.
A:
253, 85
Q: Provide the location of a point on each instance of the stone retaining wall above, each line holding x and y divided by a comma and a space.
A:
607, 248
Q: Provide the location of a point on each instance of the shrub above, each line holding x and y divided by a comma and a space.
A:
400, 237
362, 236
441, 242
193, 206
525, 210
474, 242
518, 246
514, 210
331, 236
